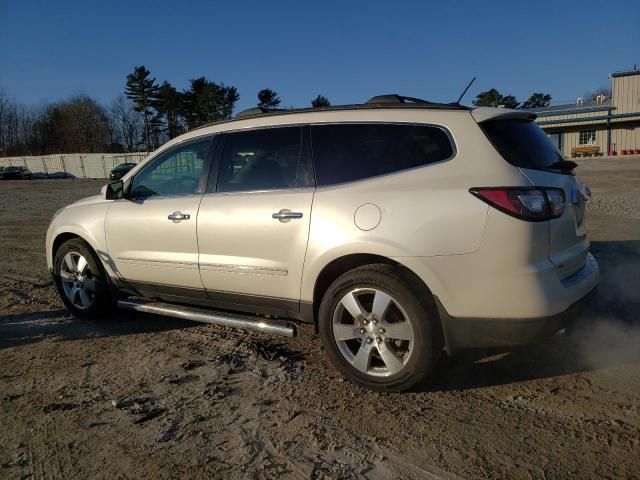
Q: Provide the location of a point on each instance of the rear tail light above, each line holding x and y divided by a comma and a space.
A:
531, 204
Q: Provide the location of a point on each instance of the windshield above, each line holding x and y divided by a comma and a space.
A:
522, 143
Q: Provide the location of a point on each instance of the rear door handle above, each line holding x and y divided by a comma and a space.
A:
285, 215
177, 216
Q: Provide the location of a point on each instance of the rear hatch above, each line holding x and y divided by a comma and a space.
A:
522, 143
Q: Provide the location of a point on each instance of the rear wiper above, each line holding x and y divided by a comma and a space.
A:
567, 165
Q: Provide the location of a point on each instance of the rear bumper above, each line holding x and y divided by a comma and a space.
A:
464, 333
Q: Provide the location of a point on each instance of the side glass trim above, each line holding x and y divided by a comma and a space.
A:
212, 181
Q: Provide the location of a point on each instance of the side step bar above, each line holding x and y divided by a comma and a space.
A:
246, 322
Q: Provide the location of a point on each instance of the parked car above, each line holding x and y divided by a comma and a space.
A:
119, 171
400, 228
16, 173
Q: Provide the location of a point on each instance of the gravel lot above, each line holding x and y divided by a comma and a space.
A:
136, 396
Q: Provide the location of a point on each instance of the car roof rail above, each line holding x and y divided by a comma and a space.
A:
395, 98
253, 111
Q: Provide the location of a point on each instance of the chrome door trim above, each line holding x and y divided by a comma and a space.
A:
246, 269
159, 263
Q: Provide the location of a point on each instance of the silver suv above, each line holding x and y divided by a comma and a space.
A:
401, 228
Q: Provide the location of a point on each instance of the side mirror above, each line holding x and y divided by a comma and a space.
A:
115, 190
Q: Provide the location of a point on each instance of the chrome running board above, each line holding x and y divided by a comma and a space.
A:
246, 322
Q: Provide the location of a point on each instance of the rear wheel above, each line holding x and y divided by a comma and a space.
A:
380, 329
81, 280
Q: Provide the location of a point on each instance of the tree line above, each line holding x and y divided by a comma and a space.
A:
147, 114
493, 98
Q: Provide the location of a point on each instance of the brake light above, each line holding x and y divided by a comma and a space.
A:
531, 204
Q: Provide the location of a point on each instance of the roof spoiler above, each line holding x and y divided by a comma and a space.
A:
482, 114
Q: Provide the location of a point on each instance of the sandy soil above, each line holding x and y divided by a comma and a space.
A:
136, 396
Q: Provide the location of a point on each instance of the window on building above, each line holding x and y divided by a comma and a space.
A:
587, 137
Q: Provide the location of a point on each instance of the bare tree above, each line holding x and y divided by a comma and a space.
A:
78, 124
128, 123
4, 117
593, 96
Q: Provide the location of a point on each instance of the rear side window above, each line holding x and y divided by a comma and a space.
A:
268, 159
348, 152
522, 143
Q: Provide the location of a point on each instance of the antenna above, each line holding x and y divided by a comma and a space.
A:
465, 91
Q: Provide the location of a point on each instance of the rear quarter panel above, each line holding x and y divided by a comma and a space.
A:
424, 212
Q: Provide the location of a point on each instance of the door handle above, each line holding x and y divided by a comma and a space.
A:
285, 215
177, 216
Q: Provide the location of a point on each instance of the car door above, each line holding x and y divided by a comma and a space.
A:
151, 234
253, 224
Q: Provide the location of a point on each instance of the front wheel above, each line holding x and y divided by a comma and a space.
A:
80, 279
379, 328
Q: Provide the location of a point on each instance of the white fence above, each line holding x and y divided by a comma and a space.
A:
78, 165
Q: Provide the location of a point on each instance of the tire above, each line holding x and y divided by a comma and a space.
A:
82, 284
394, 347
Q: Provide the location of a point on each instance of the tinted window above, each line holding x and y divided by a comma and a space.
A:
174, 172
266, 159
343, 153
522, 143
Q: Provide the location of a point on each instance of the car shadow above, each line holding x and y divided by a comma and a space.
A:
27, 328
607, 334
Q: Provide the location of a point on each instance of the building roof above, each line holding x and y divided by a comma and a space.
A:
570, 108
625, 74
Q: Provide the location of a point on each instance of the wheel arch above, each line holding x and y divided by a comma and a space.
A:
63, 235
345, 263
60, 239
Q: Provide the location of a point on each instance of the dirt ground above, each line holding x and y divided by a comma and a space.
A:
135, 396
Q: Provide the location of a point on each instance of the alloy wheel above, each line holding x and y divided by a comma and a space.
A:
373, 332
77, 280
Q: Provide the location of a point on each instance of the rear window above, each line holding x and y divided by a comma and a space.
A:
522, 143
348, 152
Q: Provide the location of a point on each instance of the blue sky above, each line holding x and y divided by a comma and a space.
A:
347, 51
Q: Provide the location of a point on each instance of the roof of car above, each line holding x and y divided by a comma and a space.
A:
377, 102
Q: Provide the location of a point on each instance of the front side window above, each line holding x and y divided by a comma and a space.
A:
348, 152
587, 137
174, 172
268, 159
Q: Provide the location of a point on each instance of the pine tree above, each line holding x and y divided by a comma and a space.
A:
320, 101
509, 101
206, 101
268, 98
490, 98
168, 104
537, 100
142, 91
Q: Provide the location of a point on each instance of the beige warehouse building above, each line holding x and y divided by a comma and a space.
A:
610, 124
